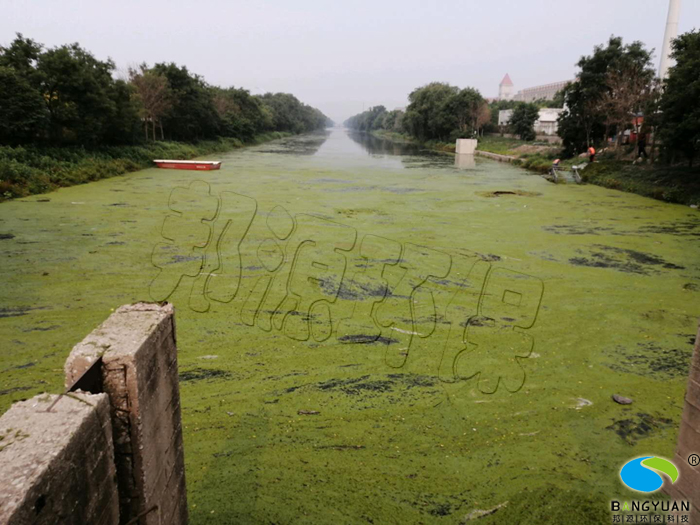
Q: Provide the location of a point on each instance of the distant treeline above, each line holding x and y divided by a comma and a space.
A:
616, 93
436, 112
441, 113
65, 96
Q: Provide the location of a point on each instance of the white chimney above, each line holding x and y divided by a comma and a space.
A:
674, 7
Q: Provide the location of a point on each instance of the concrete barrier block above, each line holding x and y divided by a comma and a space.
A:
465, 146
58, 466
138, 353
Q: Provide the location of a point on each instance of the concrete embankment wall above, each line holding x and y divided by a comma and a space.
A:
495, 156
688, 485
112, 454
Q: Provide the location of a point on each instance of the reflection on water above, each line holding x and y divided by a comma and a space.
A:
380, 146
465, 162
404, 154
307, 144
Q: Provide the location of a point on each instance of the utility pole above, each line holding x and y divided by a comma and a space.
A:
674, 8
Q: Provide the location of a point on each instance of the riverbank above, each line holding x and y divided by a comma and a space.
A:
32, 170
674, 184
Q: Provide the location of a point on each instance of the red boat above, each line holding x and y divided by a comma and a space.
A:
189, 164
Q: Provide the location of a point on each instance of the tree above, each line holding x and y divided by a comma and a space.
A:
439, 111
22, 111
193, 115
559, 99
629, 85
583, 121
430, 114
81, 101
680, 102
67, 96
483, 117
522, 121
22, 55
466, 105
289, 114
154, 96
243, 115
78, 91
124, 126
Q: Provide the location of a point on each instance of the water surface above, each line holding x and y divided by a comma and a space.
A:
383, 334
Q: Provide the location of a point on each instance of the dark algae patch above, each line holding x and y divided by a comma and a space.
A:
577, 229
651, 360
198, 374
499, 193
639, 426
367, 339
623, 260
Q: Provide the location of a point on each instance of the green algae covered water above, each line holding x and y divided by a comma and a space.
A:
370, 333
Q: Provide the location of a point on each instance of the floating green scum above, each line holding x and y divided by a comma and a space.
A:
337, 414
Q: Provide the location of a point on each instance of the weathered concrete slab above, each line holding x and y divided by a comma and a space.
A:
465, 146
139, 374
58, 466
688, 483
495, 156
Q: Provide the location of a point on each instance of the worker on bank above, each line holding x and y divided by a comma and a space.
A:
642, 147
555, 169
591, 154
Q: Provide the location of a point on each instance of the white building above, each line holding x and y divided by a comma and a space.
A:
504, 117
506, 90
543, 92
546, 123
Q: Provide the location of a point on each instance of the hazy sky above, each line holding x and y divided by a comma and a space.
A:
343, 56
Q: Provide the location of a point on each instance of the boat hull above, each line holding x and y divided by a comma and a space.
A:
188, 165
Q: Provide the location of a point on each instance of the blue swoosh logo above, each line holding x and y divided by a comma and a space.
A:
640, 478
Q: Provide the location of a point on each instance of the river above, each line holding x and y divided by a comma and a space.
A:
372, 332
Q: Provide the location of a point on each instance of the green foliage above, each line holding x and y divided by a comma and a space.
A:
22, 111
499, 145
680, 102
429, 115
437, 112
393, 121
374, 118
584, 120
243, 116
193, 115
679, 184
522, 121
559, 99
65, 96
80, 94
288, 114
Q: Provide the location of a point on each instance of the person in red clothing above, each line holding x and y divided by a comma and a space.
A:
591, 154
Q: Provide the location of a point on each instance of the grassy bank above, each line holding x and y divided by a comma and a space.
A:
32, 170
676, 184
